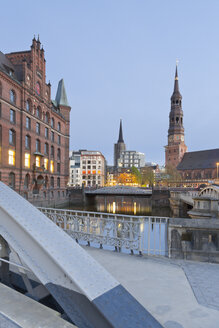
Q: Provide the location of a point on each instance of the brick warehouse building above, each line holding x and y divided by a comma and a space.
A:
34, 130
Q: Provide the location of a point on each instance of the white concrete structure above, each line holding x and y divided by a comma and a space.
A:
129, 158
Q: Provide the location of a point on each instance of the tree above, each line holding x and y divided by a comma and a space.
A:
148, 177
126, 178
137, 175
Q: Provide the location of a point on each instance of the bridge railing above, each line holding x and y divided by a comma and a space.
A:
135, 234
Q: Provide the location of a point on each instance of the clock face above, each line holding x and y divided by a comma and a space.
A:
38, 88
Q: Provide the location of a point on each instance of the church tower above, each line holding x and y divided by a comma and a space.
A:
176, 147
119, 146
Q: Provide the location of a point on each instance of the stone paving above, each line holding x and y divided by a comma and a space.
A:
204, 280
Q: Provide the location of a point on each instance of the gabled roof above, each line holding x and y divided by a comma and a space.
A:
5, 63
61, 97
204, 159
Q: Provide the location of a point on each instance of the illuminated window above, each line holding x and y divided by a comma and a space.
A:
52, 166
27, 160
99, 172
11, 157
37, 161
46, 163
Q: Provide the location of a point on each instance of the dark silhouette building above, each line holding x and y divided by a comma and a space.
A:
119, 146
176, 147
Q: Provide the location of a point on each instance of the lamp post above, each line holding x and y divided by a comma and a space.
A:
217, 170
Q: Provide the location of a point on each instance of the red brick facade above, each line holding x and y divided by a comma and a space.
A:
32, 127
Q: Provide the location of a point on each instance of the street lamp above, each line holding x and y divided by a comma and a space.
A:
217, 170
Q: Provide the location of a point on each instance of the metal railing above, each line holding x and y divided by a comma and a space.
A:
135, 234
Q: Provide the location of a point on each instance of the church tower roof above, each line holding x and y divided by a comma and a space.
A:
120, 133
61, 96
176, 93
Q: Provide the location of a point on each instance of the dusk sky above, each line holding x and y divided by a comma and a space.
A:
117, 58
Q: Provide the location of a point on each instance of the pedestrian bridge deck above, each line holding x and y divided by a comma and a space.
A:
177, 293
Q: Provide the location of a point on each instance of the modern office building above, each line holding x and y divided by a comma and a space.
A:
87, 168
34, 130
129, 158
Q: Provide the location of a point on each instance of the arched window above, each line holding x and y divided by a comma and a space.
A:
11, 181
12, 97
38, 112
12, 137
58, 182
52, 182
52, 122
59, 126
27, 181
28, 105
58, 154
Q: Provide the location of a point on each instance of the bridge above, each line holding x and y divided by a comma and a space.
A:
89, 295
100, 286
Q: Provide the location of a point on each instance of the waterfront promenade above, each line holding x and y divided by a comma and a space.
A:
179, 294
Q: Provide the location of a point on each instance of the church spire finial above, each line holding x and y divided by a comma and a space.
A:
176, 81
120, 132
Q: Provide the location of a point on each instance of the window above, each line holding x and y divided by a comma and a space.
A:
37, 128
26, 181
0, 89
12, 137
12, 96
38, 112
58, 182
46, 161
27, 142
27, 160
46, 149
52, 182
12, 180
47, 117
58, 154
59, 126
37, 162
27, 123
38, 88
59, 140
52, 136
11, 157
46, 133
28, 105
58, 167
52, 151
52, 122
51, 166
0, 109
38, 145
12, 116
